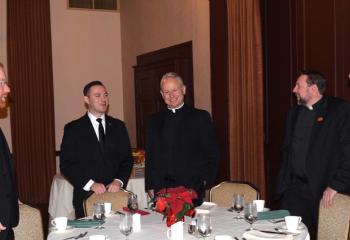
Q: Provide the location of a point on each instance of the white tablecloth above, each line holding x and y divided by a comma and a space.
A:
152, 228
61, 196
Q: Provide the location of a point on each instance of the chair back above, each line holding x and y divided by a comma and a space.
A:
30, 224
333, 222
118, 200
222, 194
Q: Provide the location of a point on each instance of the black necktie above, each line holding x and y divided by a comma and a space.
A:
101, 132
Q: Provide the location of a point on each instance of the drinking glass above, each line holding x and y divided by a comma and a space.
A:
99, 213
238, 204
204, 225
132, 203
250, 214
125, 225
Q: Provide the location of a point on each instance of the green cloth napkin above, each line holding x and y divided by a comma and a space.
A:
85, 223
273, 214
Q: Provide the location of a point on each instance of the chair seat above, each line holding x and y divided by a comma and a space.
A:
222, 194
333, 222
30, 224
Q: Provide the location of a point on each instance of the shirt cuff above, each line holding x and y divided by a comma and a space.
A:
88, 185
121, 182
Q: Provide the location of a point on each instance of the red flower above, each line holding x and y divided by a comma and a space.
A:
175, 203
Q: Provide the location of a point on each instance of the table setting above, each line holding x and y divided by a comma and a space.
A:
170, 220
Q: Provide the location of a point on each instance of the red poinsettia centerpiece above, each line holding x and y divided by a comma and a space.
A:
175, 203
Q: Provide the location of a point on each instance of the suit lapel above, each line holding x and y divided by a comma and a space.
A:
90, 132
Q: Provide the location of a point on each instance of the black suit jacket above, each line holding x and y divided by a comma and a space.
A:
195, 151
9, 215
82, 158
328, 157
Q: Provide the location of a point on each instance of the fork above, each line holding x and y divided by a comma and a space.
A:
77, 237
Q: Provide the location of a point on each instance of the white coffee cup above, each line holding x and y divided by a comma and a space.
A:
176, 231
223, 237
292, 222
60, 223
108, 208
260, 204
97, 237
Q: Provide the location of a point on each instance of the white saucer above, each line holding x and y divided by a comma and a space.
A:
54, 229
283, 228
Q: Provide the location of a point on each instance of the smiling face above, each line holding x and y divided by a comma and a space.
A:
97, 100
4, 88
173, 92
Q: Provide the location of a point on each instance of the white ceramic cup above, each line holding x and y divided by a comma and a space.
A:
60, 223
260, 204
108, 208
97, 237
176, 231
292, 222
223, 237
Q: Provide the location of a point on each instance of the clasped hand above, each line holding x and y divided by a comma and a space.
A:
100, 188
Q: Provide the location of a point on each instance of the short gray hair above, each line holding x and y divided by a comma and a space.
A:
172, 75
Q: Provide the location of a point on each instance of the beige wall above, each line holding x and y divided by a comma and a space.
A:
149, 25
86, 46
4, 115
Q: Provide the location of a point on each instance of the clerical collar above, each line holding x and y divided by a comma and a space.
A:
174, 110
315, 105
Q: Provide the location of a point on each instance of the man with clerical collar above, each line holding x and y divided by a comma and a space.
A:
95, 150
9, 215
181, 146
316, 150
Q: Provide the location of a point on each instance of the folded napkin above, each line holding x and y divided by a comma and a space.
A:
272, 214
141, 212
256, 235
206, 206
85, 223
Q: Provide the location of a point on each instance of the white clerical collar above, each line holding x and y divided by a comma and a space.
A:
177, 108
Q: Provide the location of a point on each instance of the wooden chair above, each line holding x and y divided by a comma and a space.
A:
222, 194
118, 200
30, 224
333, 222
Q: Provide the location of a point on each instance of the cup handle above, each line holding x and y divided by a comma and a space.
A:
53, 223
300, 219
168, 233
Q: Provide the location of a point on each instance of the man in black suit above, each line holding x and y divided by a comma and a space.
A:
316, 151
9, 215
181, 147
95, 150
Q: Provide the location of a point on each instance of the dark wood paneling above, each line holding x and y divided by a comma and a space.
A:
219, 81
148, 72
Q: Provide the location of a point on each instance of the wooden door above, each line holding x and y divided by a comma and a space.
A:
149, 70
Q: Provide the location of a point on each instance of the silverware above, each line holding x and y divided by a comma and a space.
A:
81, 235
275, 232
278, 220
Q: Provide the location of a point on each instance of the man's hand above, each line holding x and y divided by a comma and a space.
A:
98, 188
114, 186
328, 196
2, 228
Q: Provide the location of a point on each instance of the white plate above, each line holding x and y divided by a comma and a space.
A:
256, 235
296, 232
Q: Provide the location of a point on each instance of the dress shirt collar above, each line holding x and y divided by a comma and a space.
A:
177, 108
93, 118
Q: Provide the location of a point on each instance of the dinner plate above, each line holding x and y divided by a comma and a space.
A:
283, 228
256, 235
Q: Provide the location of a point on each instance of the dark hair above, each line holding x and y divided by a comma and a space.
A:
315, 77
91, 84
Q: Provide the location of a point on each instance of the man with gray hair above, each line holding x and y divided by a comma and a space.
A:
181, 146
